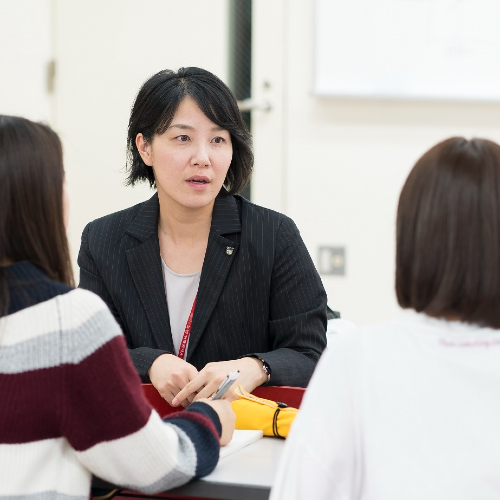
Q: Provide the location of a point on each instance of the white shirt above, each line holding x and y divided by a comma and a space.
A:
408, 409
181, 290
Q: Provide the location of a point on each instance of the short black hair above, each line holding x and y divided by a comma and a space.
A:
154, 109
448, 233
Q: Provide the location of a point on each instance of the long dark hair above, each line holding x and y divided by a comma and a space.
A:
448, 233
155, 107
31, 201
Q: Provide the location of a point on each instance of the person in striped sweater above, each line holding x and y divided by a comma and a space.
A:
71, 404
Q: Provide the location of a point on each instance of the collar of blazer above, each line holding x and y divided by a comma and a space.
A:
225, 217
145, 267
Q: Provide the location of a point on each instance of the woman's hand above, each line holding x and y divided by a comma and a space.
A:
169, 374
208, 380
227, 418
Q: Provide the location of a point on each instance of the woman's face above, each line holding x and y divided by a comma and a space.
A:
190, 159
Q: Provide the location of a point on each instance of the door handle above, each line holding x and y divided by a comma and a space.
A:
251, 105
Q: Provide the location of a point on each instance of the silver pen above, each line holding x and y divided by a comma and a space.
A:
226, 384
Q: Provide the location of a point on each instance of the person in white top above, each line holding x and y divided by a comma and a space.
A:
409, 409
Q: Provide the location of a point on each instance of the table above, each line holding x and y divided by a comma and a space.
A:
247, 474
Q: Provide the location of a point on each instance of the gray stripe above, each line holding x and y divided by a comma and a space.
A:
183, 473
56, 348
44, 495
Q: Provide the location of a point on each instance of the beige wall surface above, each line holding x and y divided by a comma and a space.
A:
336, 166
345, 161
26, 47
104, 51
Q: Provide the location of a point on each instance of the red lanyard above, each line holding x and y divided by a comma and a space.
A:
187, 331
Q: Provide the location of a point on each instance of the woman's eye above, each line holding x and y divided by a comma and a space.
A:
183, 138
218, 140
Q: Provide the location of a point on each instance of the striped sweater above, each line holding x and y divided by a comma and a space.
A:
71, 404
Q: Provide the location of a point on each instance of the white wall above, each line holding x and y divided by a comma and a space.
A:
335, 166
105, 50
344, 161
25, 54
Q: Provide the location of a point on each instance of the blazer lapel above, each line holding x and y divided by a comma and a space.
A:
219, 257
144, 262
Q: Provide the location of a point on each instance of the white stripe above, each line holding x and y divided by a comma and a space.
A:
71, 309
55, 349
46, 495
67, 344
48, 465
150, 459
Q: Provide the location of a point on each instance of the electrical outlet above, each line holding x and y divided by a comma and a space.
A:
332, 260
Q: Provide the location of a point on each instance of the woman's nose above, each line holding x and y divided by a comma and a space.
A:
201, 156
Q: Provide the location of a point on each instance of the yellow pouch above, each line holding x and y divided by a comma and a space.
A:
272, 417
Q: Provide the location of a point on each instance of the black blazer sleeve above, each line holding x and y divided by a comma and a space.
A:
297, 311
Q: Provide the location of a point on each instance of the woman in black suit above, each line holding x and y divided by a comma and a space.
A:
202, 281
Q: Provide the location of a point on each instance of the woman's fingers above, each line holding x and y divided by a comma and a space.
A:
169, 374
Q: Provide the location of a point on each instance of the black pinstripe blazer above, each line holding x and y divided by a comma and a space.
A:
265, 298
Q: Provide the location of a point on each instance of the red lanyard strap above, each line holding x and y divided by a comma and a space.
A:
187, 331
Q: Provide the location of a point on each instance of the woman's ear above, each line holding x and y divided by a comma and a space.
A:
144, 148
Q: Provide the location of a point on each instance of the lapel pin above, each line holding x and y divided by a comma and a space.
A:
229, 250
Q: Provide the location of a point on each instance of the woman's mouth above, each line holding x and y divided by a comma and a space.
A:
198, 182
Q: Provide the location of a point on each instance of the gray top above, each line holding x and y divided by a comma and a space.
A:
181, 290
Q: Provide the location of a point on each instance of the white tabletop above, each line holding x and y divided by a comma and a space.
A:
246, 474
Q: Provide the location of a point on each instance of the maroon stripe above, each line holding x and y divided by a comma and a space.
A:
99, 399
29, 406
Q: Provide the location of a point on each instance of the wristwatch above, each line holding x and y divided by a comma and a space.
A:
266, 369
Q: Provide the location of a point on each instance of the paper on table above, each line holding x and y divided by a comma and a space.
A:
241, 438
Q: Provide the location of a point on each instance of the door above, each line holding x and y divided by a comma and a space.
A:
25, 58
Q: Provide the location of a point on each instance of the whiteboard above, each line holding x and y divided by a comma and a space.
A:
408, 49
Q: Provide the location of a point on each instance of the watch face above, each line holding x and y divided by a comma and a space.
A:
266, 369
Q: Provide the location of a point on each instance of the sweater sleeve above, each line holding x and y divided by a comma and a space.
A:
108, 422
